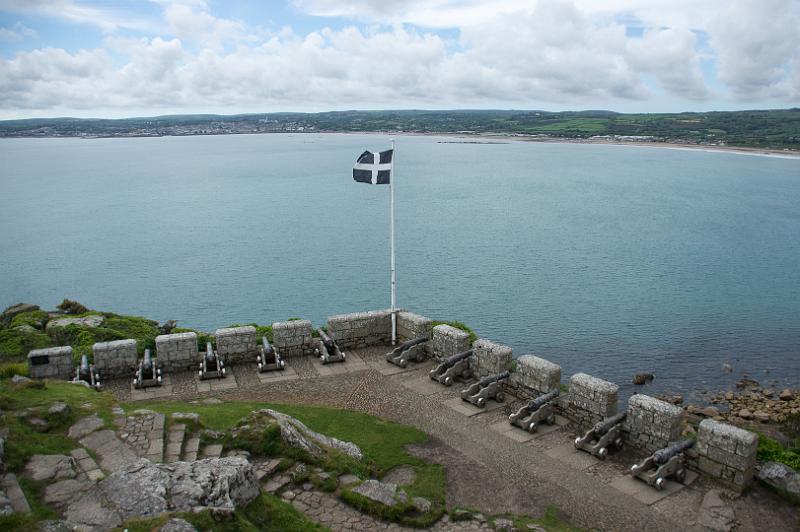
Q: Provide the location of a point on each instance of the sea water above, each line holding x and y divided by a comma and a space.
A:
604, 259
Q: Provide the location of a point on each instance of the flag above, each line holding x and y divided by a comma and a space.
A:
374, 168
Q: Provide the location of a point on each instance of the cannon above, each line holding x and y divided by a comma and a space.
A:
412, 350
663, 464
451, 367
86, 373
537, 411
487, 388
328, 351
211, 365
603, 435
269, 359
148, 374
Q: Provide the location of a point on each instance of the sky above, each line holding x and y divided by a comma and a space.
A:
112, 58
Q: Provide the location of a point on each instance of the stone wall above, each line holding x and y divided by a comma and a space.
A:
652, 424
115, 359
237, 344
534, 376
410, 326
725, 452
51, 363
448, 341
361, 329
589, 400
293, 338
178, 351
490, 358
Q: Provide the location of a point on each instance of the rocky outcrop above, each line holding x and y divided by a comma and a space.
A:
143, 489
87, 321
384, 493
49, 467
782, 478
9, 313
295, 434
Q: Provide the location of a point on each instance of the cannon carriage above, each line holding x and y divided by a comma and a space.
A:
211, 365
86, 373
663, 464
328, 351
453, 367
148, 374
602, 436
536, 412
409, 351
487, 388
268, 358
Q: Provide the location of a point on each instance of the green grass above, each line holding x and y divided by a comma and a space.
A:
770, 450
15, 345
550, 521
458, 325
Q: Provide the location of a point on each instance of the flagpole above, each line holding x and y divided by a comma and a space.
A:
391, 245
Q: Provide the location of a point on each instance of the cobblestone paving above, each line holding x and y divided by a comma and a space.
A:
145, 435
329, 511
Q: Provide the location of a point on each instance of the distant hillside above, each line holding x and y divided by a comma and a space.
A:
776, 129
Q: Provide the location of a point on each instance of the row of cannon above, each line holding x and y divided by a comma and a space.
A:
655, 470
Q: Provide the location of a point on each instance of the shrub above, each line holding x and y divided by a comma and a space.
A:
770, 450
72, 307
9, 369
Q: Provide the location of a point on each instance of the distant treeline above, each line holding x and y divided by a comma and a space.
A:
778, 129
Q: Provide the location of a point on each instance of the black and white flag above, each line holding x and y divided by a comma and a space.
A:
374, 168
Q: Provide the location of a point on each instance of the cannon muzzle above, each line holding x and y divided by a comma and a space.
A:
84, 363
408, 344
268, 349
662, 456
327, 340
209, 352
601, 427
542, 400
452, 360
147, 363
494, 378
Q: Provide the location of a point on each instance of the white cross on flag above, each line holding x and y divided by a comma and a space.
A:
374, 168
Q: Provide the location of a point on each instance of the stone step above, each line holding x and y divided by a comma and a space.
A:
190, 448
87, 465
15, 494
212, 451
175, 438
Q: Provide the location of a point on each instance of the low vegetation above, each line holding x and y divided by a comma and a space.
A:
770, 450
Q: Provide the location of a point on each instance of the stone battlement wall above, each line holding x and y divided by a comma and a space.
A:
293, 338
589, 400
51, 363
361, 329
115, 359
652, 424
177, 351
490, 358
237, 344
448, 341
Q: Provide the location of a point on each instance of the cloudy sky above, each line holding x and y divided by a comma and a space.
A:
114, 58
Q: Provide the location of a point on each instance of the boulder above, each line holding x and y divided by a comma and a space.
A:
185, 416
55, 526
745, 414
93, 320
781, 477
177, 525
786, 395
58, 409
421, 504
761, 416
381, 492
9, 313
709, 411
143, 489
716, 514
19, 379
643, 378
504, 524
49, 467
61, 493
5, 504
25, 328
727, 368
295, 434
85, 426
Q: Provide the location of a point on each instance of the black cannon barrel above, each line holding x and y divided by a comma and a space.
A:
494, 378
267, 346
84, 363
408, 344
543, 399
452, 360
148, 360
662, 456
209, 352
601, 427
327, 340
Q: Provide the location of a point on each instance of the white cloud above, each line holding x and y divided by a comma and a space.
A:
106, 19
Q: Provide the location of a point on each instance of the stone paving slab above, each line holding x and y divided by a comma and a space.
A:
468, 409
568, 454
388, 369
646, 494
212, 451
517, 434
288, 373
111, 451
15, 494
352, 363
214, 385
147, 394
424, 385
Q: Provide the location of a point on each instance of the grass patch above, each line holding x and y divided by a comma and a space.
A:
25, 441
9, 369
15, 345
33, 493
549, 521
770, 450
459, 325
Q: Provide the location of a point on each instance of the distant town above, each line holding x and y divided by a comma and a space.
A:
765, 129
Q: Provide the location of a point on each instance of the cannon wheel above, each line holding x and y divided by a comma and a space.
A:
680, 474
551, 419
659, 484
618, 443
403, 363
532, 427
500, 397
602, 453
481, 402
447, 381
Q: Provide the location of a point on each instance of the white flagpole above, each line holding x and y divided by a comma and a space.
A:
391, 245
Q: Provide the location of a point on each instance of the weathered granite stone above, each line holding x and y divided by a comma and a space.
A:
448, 341
56, 526
490, 358
410, 326
237, 344
93, 320
143, 489
58, 409
293, 338
9, 313
61, 493
177, 525
715, 514
51, 363
538, 374
49, 467
781, 477
361, 329
115, 359
385, 493
652, 424
177, 352
5, 504
726, 452
421, 504
19, 379
85, 426
589, 400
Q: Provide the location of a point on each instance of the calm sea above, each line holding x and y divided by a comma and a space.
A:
605, 259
